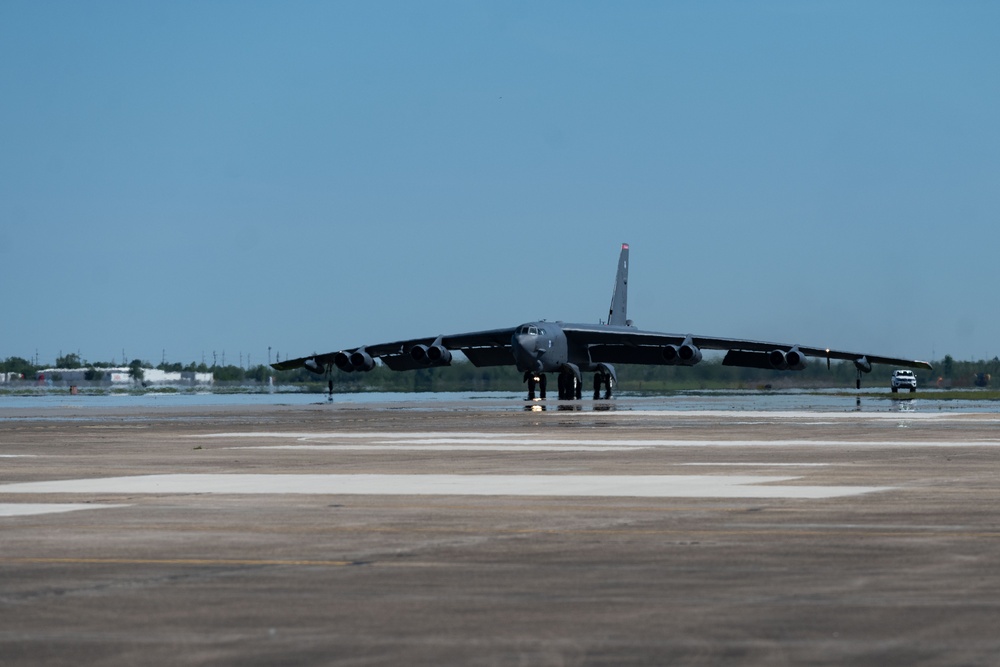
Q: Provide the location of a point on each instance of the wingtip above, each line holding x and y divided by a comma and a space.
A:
286, 365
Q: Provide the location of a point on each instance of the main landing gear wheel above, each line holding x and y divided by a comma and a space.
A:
605, 379
569, 387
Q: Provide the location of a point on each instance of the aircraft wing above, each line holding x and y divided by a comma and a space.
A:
482, 348
626, 345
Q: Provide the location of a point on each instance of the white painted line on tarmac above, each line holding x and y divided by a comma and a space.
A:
646, 486
487, 447
375, 435
34, 509
807, 416
762, 465
513, 442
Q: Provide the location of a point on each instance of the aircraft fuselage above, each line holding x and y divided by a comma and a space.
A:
542, 347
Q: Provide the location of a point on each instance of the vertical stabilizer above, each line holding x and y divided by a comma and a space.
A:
619, 299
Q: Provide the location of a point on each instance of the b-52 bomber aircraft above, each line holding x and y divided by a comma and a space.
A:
570, 350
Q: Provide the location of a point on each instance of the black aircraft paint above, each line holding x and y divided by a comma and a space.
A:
570, 350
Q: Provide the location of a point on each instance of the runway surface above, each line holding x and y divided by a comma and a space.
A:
473, 534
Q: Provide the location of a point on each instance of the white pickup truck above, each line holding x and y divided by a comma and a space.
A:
903, 379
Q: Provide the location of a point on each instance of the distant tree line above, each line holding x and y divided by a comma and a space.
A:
463, 376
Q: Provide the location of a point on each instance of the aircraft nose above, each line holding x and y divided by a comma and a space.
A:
524, 351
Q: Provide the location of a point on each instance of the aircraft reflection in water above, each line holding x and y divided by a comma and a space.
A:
570, 350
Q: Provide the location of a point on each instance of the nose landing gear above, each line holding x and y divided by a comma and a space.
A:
534, 379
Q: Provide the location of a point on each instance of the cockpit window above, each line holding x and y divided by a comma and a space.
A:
530, 330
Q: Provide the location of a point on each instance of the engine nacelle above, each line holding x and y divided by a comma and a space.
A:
362, 361
792, 360
419, 354
671, 353
314, 366
688, 354
863, 365
685, 354
438, 355
796, 360
359, 360
431, 355
342, 360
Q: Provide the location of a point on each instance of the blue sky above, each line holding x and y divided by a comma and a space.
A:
186, 178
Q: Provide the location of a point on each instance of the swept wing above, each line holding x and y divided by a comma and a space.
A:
625, 345
483, 348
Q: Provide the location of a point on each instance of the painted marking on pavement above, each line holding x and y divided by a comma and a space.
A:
33, 509
647, 486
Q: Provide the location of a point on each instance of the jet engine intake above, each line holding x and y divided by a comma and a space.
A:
362, 361
685, 354
342, 360
431, 355
438, 355
863, 365
358, 360
792, 360
671, 354
688, 354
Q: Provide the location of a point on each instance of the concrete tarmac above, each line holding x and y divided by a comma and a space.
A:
475, 534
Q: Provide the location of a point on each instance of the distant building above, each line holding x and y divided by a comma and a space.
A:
120, 376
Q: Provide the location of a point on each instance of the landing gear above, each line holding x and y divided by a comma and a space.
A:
535, 379
329, 396
857, 401
599, 379
569, 387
